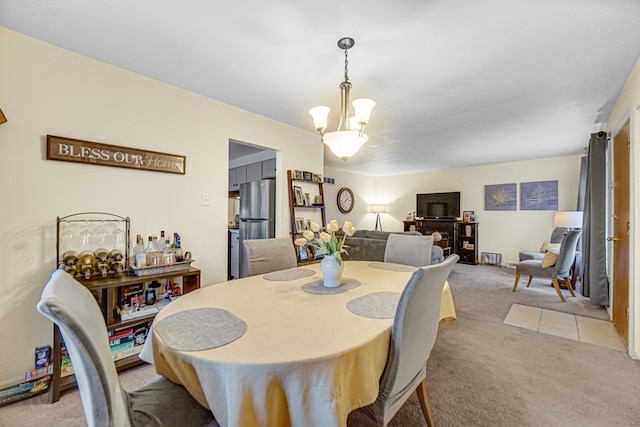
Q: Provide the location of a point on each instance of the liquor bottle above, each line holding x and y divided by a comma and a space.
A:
161, 242
168, 255
140, 258
155, 257
177, 248
148, 250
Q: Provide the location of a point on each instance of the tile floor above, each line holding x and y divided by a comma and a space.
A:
578, 328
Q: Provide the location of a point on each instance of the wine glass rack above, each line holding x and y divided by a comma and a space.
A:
117, 239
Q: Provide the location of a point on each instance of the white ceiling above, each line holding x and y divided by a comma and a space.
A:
457, 83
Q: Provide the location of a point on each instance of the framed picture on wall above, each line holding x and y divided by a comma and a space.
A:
500, 197
539, 196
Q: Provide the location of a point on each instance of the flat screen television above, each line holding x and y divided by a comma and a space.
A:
438, 205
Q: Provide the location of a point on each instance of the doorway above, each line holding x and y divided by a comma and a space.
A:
621, 217
252, 170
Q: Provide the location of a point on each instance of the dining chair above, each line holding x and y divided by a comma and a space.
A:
74, 310
559, 270
267, 255
413, 334
409, 249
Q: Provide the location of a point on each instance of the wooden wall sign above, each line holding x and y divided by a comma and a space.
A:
95, 153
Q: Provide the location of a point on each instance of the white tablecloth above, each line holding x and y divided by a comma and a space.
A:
304, 360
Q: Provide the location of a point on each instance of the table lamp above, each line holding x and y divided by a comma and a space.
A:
378, 209
567, 219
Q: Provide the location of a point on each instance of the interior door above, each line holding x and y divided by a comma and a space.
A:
621, 231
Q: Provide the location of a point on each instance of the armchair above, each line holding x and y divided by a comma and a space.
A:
556, 238
560, 270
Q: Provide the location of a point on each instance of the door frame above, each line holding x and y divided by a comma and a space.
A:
634, 236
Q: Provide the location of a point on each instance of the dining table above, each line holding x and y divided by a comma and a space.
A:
280, 349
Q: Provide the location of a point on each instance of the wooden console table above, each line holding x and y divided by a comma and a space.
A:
447, 228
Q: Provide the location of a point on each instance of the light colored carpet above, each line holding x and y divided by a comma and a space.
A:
481, 371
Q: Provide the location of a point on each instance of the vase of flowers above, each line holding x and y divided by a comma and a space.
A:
331, 246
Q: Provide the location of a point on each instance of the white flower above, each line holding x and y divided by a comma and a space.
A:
333, 226
348, 228
300, 241
327, 243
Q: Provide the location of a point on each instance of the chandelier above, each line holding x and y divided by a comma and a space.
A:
349, 136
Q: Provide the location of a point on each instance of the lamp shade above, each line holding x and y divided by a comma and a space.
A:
320, 117
344, 144
363, 107
567, 219
378, 208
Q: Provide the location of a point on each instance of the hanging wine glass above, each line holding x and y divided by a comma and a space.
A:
85, 236
104, 237
67, 238
119, 236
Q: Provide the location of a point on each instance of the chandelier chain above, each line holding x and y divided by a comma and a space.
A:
346, 66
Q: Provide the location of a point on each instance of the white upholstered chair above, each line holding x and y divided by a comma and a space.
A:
413, 334
267, 255
409, 249
71, 306
418, 252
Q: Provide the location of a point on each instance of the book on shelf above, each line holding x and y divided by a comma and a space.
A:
66, 368
65, 362
130, 296
123, 346
128, 341
119, 337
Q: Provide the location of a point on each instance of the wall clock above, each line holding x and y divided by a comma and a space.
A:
345, 200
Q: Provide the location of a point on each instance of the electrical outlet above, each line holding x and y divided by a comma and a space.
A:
205, 199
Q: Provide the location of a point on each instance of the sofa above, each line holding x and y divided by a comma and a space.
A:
369, 245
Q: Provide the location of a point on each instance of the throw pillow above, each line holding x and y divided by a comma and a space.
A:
549, 259
546, 246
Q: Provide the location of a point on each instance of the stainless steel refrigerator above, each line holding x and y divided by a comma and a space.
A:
256, 215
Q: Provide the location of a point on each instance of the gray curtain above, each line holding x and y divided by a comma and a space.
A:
594, 252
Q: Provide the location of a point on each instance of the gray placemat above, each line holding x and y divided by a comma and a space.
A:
292, 274
317, 288
200, 329
377, 305
391, 266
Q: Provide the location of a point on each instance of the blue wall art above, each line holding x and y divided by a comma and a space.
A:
500, 197
539, 196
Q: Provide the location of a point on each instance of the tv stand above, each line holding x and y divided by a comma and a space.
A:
447, 227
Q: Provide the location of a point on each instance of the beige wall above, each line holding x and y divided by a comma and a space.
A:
363, 188
627, 106
505, 232
48, 90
